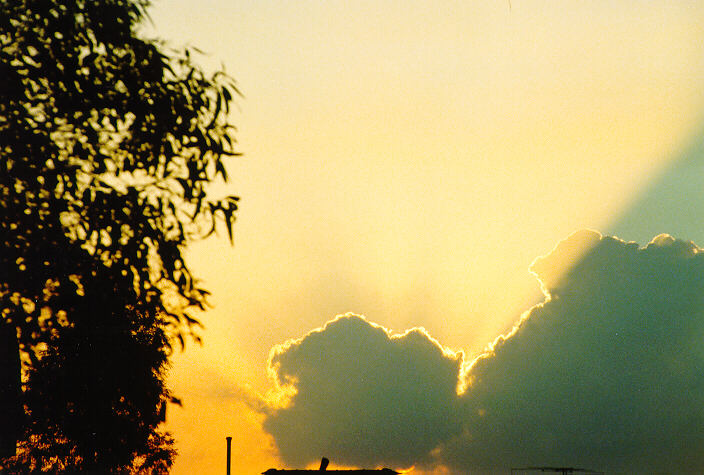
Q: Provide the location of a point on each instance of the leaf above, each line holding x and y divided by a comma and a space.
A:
220, 168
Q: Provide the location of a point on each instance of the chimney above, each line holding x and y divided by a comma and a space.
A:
229, 453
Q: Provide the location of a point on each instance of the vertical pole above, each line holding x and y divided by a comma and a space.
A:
229, 453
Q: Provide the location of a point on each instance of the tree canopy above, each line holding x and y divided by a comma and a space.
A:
108, 142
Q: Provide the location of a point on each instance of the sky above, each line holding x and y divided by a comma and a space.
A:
408, 162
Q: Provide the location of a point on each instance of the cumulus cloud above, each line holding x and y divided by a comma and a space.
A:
363, 396
607, 373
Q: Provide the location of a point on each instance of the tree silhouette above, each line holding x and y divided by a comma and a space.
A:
108, 142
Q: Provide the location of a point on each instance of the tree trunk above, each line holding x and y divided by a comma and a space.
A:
11, 413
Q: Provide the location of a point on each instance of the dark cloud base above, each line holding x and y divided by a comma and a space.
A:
607, 373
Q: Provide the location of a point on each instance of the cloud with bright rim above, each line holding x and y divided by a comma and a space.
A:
607, 373
364, 396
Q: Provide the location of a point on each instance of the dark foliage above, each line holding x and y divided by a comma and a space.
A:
108, 143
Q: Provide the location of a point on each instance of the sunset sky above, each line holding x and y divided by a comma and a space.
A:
408, 161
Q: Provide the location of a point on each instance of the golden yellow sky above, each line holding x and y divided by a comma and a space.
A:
408, 161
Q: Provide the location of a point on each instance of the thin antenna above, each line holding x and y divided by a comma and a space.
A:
562, 470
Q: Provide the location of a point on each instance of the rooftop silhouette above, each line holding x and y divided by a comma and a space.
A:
323, 468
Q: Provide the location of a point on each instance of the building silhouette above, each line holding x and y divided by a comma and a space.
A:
323, 468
